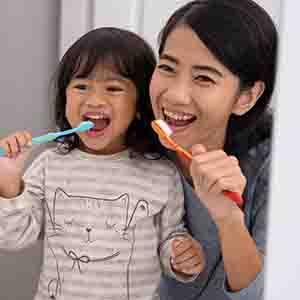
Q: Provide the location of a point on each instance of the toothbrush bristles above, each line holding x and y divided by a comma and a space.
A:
163, 126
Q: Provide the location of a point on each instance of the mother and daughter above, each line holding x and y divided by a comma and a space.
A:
121, 215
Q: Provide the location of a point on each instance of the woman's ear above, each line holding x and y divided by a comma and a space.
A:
248, 98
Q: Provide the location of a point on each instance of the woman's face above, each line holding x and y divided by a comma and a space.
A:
193, 92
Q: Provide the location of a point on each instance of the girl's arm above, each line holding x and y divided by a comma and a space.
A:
176, 244
21, 217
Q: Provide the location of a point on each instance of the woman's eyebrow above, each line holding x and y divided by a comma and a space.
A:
205, 68
208, 69
171, 58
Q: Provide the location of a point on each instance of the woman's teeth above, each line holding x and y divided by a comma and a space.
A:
178, 116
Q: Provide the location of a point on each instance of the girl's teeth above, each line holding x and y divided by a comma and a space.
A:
97, 117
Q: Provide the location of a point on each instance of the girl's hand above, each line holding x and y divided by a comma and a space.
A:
17, 151
187, 256
214, 172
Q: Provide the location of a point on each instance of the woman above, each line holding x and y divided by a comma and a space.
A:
213, 85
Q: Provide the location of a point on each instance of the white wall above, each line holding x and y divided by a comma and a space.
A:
29, 55
283, 262
145, 17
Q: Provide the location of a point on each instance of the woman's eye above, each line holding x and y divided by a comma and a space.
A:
204, 78
165, 68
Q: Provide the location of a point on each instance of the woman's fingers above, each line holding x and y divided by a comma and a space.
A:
234, 183
216, 169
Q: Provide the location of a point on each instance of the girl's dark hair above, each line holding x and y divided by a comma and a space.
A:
127, 54
243, 37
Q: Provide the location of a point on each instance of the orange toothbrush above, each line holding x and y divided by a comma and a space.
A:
165, 132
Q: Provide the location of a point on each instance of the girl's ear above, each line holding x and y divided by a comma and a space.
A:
248, 98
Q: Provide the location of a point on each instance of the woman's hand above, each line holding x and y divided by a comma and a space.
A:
17, 151
212, 173
187, 256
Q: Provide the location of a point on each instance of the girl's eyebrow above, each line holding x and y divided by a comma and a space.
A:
116, 78
206, 68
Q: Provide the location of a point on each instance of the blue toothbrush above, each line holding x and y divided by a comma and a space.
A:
51, 136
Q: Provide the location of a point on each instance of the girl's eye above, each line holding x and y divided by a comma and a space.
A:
165, 68
81, 87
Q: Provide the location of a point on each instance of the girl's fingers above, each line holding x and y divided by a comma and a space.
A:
21, 141
180, 245
193, 263
28, 138
187, 256
14, 145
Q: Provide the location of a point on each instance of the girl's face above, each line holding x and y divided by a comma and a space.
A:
193, 92
109, 101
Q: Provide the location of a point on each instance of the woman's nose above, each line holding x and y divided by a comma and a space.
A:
178, 93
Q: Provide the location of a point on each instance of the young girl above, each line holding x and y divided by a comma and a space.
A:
110, 213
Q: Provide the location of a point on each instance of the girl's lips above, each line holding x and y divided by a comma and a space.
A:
95, 133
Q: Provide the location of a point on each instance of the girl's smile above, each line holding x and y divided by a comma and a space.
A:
109, 101
101, 120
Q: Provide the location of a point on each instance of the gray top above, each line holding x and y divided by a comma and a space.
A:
211, 284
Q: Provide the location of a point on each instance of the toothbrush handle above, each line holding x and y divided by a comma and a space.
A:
51, 136
234, 196
2, 152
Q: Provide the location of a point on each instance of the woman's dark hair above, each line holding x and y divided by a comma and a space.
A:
127, 54
243, 37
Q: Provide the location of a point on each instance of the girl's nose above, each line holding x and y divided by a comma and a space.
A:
96, 98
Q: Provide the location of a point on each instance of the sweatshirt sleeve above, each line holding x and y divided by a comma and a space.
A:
21, 218
258, 231
172, 226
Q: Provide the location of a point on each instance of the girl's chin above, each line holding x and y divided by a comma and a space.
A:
101, 149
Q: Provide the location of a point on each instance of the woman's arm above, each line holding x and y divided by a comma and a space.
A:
242, 259
242, 253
